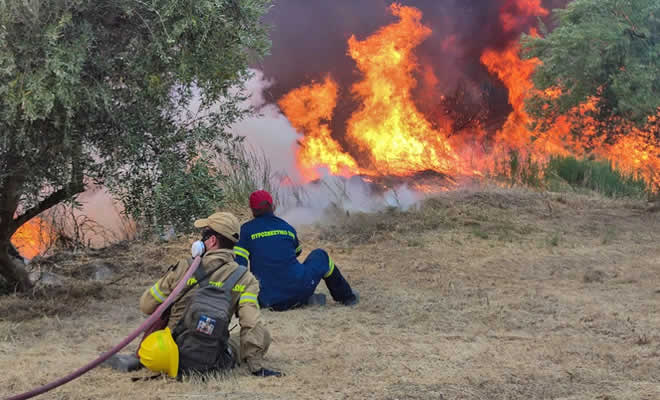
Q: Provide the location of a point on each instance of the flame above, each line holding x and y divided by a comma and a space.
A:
33, 238
516, 12
515, 75
388, 135
634, 152
308, 109
388, 129
516, 133
388, 126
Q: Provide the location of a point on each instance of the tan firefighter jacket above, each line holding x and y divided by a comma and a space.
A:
255, 339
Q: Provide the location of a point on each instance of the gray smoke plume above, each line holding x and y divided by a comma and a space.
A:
310, 37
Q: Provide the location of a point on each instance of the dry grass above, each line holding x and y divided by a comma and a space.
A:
495, 294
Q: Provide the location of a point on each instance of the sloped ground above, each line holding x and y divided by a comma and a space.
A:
494, 294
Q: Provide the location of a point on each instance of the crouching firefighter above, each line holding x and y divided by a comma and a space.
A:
271, 247
196, 337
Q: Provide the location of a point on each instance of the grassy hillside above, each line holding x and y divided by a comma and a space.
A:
489, 294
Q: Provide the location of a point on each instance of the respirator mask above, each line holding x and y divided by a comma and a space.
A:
198, 248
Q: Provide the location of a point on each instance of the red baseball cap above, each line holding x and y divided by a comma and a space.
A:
260, 199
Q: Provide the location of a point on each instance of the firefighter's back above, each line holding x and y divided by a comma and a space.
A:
271, 243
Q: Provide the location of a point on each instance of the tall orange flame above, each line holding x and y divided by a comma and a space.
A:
388, 125
516, 75
309, 108
388, 128
516, 134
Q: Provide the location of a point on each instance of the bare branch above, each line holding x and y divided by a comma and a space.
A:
50, 201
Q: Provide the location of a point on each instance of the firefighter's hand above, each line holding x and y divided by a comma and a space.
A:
263, 372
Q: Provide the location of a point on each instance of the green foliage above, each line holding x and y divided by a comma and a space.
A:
123, 93
609, 49
120, 92
526, 171
561, 172
594, 175
180, 198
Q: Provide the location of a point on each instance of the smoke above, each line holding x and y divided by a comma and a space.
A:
309, 37
98, 221
269, 131
309, 41
304, 205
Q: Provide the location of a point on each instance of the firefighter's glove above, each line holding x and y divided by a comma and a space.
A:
263, 372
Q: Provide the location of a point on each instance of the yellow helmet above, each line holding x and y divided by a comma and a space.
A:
159, 353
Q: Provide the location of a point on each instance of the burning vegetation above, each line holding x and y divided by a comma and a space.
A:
33, 238
405, 119
387, 134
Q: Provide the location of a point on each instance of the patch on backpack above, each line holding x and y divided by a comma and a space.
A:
205, 325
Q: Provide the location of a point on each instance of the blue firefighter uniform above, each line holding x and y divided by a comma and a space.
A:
271, 246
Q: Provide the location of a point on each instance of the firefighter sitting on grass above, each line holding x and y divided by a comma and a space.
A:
271, 247
196, 339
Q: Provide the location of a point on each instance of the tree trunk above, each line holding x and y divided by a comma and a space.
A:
13, 270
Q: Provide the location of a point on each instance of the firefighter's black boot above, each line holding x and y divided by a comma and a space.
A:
339, 289
353, 300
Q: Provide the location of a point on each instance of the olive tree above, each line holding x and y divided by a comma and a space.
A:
124, 93
607, 51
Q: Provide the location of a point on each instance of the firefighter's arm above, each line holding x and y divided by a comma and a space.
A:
255, 339
241, 249
156, 294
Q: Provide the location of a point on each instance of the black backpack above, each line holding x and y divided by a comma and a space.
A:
202, 334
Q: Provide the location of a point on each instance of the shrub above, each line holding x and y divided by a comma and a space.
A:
245, 170
524, 170
599, 176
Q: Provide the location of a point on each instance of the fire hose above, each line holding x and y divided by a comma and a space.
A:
148, 322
